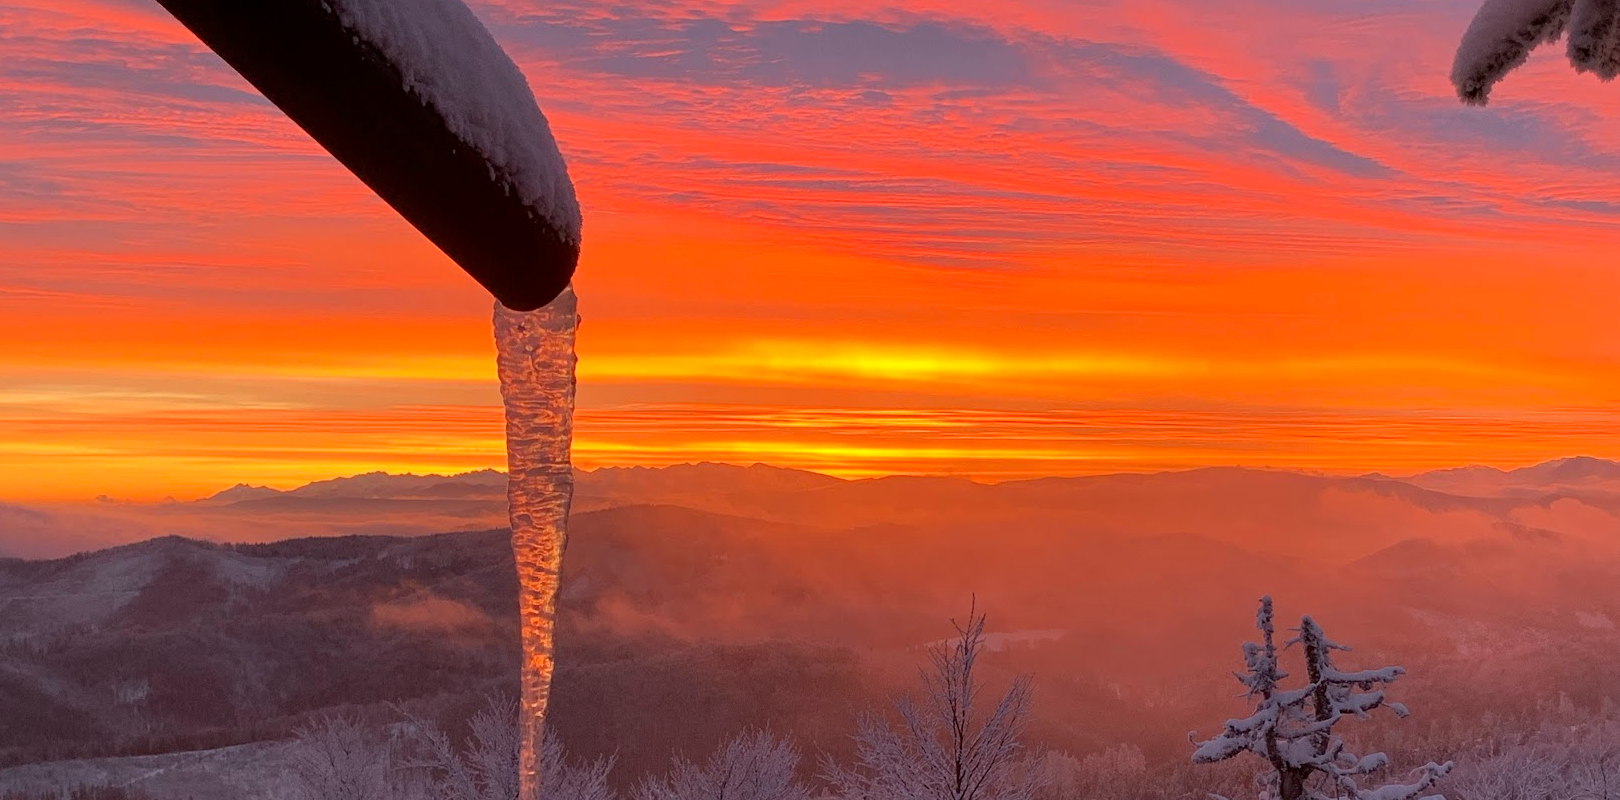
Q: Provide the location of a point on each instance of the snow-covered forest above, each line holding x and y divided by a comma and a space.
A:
954, 739
955, 736
178, 668
760, 633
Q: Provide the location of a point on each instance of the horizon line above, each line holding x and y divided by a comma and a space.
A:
978, 479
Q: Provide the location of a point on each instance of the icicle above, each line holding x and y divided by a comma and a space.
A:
536, 358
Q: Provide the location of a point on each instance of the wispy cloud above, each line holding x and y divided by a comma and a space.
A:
803, 205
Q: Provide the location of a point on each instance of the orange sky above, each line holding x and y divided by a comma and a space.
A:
856, 237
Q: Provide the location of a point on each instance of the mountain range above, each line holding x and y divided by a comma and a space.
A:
1559, 476
711, 597
378, 503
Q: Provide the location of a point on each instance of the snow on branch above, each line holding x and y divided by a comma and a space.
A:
1504, 32
1292, 729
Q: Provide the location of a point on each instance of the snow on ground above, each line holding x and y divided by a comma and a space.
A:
1594, 620
29, 608
245, 772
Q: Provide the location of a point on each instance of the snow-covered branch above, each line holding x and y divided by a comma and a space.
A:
1504, 32
752, 766
1292, 729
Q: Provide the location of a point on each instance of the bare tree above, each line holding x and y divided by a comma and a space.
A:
1292, 729
486, 767
754, 765
941, 750
338, 758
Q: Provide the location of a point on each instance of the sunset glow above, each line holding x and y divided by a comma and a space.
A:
994, 240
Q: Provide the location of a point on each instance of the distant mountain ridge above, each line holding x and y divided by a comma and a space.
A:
706, 475
380, 485
1570, 468
1274, 511
1329, 518
367, 485
1573, 474
240, 492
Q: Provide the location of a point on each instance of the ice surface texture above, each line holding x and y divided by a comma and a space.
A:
1505, 31
535, 352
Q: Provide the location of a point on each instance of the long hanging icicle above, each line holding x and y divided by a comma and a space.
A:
535, 351
419, 101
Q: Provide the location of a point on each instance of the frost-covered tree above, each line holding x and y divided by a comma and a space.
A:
1515, 775
1504, 32
1119, 771
754, 765
942, 749
339, 758
1569, 755
486, 767
1292, 729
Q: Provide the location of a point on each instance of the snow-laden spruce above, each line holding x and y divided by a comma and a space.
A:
1292, 729
450, 62
1505, 31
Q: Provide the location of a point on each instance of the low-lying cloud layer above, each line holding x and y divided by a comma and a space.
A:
1574, 501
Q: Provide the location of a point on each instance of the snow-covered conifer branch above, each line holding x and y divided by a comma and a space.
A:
1292, 729
1504, 32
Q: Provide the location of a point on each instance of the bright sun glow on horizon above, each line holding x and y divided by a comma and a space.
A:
902, 238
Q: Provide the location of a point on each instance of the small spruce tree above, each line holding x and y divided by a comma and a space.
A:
1292, 729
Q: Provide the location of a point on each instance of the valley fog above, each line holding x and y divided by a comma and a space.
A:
704, 600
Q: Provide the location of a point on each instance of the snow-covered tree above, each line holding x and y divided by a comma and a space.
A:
486, 767
1504, 32
1518, 774
1564, 754
754, 765
942, 749
562, 779
338, 758
1119, 771
1292, 729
